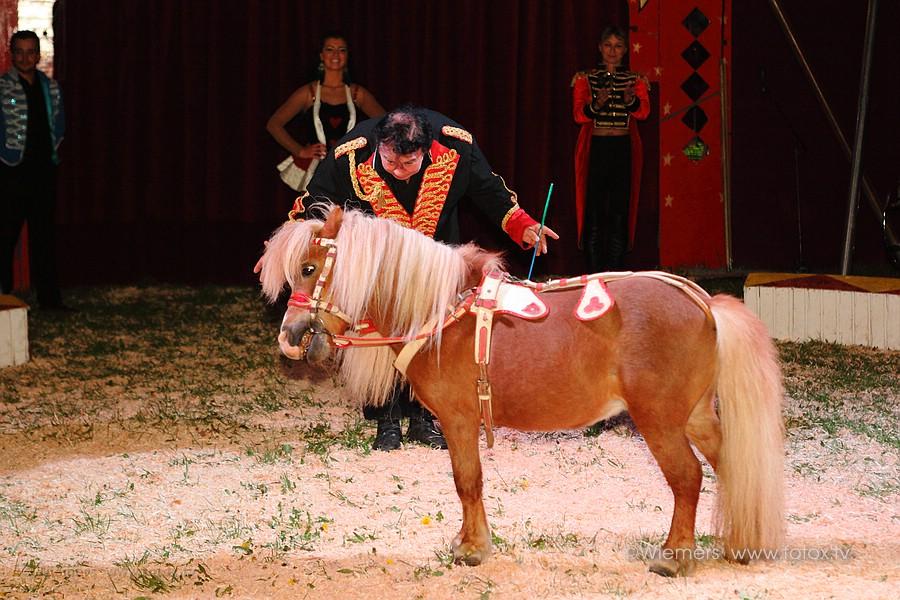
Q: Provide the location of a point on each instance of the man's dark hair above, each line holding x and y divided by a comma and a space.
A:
405, 129
25, 34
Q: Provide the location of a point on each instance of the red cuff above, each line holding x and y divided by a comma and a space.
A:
516, 225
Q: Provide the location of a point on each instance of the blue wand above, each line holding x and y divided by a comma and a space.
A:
540, 231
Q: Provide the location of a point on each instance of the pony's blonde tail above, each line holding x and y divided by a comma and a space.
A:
749, 515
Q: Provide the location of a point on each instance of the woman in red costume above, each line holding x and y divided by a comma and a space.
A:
606, 101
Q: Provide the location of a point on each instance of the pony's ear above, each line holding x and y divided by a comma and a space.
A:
332, 223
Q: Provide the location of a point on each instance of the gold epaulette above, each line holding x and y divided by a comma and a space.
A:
354, 144
576, 76
457, 132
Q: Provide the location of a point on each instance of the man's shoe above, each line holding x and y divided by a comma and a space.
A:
387, 437
424, 431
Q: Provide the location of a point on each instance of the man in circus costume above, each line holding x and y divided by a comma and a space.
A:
414, 166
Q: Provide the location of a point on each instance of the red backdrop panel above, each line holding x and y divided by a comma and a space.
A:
680, 45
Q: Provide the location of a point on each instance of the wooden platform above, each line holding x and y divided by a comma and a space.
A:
831, 308
13, 331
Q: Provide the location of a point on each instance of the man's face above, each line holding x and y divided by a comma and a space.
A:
401, 166
25, 56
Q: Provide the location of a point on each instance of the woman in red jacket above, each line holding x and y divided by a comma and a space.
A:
606, 101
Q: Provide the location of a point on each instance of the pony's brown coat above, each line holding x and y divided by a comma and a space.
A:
656, 354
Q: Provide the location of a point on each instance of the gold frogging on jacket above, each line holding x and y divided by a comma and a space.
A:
436, 180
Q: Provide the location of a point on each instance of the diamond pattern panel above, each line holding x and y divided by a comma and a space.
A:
695, 118
695, 55
696, 22
694, 86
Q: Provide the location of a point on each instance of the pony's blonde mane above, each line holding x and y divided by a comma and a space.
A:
382, 271
396, 276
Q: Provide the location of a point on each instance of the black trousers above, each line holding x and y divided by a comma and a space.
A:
396, 407
605, 234
28, 194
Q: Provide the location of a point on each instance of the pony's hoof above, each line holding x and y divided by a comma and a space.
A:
470, 558
467, 554
669, 567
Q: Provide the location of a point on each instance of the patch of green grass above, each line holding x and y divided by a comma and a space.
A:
839, 367
356, 435
295, 530
95, 523
151, 577
880, 490
270, 455
14, 514
28, 578
833, 387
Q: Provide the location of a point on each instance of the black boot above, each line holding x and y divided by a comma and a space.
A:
423, 430
387, 415
387, 437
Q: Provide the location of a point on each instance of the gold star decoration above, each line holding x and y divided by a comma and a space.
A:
667, 108
669, 200
657, 71
636, 48
667, 160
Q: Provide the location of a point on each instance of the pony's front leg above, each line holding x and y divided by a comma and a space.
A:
473, 544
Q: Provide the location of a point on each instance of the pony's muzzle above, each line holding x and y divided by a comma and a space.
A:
309, 340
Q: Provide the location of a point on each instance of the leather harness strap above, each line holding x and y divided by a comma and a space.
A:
484, 307
483, 303
486, 304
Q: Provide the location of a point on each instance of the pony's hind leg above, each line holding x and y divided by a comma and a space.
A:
704, 430
682, 471
473, 544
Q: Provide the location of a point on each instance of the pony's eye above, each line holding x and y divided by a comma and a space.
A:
308, 270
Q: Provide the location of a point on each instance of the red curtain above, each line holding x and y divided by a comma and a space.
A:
168, 171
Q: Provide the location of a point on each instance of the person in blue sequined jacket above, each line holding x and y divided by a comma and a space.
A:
32, 126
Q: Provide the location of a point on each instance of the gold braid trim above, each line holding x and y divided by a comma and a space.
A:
513, 197
430, 200
508, 214
298, 207
354, 144
457, 132
376, 197
577, 76
382, 199
433, 193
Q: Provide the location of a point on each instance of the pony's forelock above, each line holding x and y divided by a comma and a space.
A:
285, 251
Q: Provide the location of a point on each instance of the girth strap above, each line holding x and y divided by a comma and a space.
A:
484, 306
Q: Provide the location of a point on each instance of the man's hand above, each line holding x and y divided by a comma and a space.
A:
530, 237
257, 268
